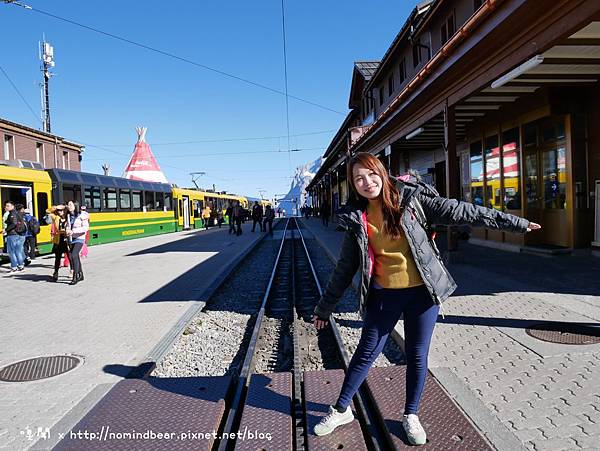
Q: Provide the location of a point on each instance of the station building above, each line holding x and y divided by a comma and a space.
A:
27, 147
494, 102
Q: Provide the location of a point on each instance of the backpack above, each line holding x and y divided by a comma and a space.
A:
21, 227
33, 225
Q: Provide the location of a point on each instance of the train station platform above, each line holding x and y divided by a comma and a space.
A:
521, 392
135, 296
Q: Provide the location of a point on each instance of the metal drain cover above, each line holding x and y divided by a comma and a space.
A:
565, 333
38, 368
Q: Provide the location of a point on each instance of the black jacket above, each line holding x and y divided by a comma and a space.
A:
354, 253
11, 223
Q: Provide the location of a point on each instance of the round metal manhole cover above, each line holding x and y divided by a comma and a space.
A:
38, 368
565, 333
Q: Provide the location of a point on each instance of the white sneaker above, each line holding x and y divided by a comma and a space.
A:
332, 420
414, 431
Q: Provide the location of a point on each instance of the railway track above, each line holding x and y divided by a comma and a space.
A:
289, 375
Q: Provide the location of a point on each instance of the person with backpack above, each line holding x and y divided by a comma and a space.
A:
77, 227
401, 273
14, 230
33, 228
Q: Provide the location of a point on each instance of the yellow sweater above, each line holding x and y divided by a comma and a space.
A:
395, 266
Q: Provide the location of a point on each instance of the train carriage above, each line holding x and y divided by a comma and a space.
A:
119, 208
32, 188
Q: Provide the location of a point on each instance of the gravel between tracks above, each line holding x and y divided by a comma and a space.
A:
214, 341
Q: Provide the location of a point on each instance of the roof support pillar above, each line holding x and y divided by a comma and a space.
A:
452, 176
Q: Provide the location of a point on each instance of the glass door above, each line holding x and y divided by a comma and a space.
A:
533, 200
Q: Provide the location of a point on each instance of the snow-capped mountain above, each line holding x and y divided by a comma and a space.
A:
297, 196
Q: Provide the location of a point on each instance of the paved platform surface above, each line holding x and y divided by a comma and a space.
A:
520, 392
133, 294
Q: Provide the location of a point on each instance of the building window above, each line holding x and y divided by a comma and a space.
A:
448, 28
511, 169
402, 70
65, 158
39, 152
416, 52
391, 85
477, 4
380, 95
8, 145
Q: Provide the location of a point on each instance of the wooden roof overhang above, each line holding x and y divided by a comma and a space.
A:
565, 35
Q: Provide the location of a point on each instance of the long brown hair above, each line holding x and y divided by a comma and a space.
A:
390, 197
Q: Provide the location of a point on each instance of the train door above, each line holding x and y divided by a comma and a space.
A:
18, 194
186, 212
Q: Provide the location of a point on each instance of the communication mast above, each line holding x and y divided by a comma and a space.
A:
47, 60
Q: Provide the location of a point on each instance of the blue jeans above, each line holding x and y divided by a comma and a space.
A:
383, 310
15, 249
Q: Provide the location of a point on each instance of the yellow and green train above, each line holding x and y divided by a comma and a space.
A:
119, 208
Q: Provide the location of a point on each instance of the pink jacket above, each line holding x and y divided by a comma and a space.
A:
81, 225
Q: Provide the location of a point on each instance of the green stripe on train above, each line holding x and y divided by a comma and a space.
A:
129, 221
127, 233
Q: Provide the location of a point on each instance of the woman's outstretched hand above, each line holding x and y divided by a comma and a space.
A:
318, 322
533, 226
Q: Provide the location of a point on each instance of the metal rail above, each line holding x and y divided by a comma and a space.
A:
239, 394
372, 429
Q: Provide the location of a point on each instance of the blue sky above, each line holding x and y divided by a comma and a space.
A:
104, 88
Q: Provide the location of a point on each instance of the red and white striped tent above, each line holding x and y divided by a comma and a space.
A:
142, 164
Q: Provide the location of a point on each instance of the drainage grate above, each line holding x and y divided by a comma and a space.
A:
565, 333
38, 368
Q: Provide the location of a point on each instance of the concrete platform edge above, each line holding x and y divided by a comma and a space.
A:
68, 421
494, 431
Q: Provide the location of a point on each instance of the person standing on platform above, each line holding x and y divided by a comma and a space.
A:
58, 232
238, 216
206, 216
257, 216
388, 241
269, 217
229, 214
14, 229
77, 227
33, 228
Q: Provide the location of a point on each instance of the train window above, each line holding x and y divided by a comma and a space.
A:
149, 200
91, 198
159, 201
197, 207
42, 204
168, 201
71, 192
136, 200
124, 199
110, 199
